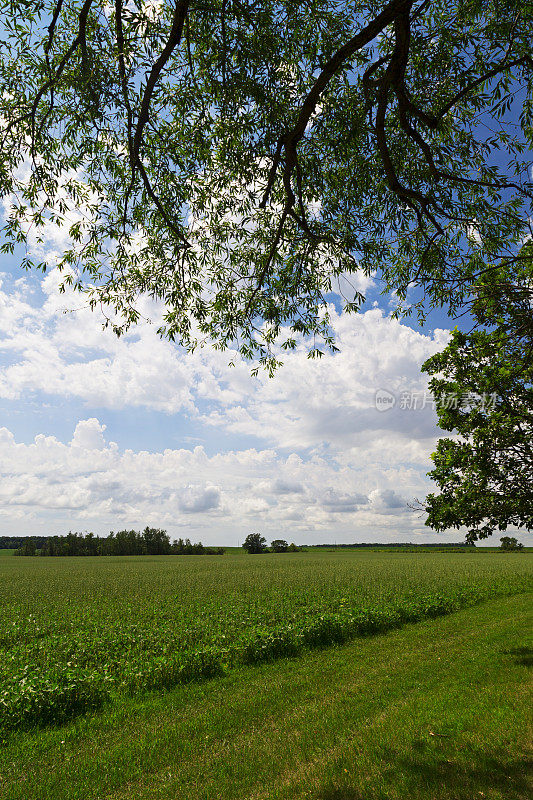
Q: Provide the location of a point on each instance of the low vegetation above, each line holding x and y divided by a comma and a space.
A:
74, 639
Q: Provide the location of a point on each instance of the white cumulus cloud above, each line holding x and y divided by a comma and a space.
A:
322, 458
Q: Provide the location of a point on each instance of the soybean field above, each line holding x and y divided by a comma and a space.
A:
79, 634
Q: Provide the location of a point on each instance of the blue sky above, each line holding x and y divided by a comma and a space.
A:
99, 433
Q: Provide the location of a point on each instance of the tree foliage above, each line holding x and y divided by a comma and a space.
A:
235, 159
510, 544
152, 541
255, 543
483, 386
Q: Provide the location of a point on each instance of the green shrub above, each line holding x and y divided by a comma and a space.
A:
324, 631
269, 646
166, 672
34, 701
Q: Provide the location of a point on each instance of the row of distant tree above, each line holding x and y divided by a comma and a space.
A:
151, 542
14, 542
399, 544
155, 541
255, 543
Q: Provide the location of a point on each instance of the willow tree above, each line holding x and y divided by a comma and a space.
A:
233, 159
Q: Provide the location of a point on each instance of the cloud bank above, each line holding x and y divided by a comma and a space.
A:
323, 460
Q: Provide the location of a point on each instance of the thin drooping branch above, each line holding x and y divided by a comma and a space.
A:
412, 132
273, 172
134, 139
51, 29
119, 32
160, 207
525, 60
174, 39
271, 253
122, 72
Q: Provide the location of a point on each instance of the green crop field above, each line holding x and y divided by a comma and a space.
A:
83, 640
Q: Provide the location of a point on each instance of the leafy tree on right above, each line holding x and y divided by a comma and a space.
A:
483, 386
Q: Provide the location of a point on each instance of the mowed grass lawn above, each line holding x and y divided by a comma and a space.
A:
436, 709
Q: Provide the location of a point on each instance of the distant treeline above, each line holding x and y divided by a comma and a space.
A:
398, 544
14, 542
151, 542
